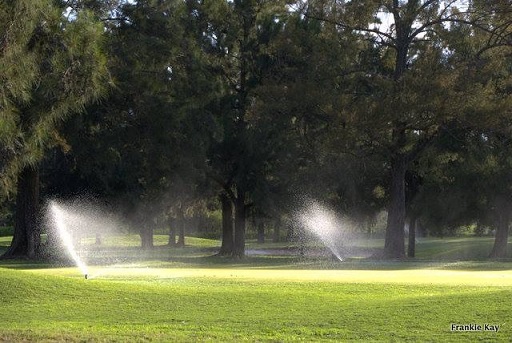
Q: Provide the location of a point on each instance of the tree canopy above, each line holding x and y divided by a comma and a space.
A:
248, 106
51, 66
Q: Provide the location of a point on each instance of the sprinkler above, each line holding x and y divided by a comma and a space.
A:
60, 218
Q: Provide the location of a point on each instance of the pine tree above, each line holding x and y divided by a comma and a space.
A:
51, 66
235, 39
407, 93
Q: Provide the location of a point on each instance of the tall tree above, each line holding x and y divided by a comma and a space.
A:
406, 93
485, 51
62, 68
145, 141
234, 38
315, 63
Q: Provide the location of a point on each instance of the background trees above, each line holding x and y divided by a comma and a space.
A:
240, 106
409, 88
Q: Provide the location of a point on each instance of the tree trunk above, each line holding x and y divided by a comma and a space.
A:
261, 232
411, 247
394, 245
181, 229
172, 232
239, 242
499, 250
26, 241
227, 226
146, 236
277, 231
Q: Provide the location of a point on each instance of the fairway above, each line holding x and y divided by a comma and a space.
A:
158, 302
427, 275
188, 295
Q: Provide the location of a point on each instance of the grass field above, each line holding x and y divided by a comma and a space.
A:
185, 295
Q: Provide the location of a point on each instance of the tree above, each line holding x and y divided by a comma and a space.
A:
406, 92
299, 103
52, 66
234, 37
145, 142
227, 225
485, 49
145, 46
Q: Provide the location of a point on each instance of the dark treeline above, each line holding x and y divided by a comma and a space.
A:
173, 108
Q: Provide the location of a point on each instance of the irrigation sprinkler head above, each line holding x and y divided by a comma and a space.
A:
85, 276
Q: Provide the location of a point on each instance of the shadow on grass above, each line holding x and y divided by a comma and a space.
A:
272, 263
467, 254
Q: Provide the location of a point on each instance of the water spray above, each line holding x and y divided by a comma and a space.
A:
324, 224
59, 219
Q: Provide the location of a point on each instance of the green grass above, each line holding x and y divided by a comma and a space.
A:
186, 295
5, 241
132, 240
49, 306
461, 248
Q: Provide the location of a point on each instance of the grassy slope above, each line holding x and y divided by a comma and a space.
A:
260, 299
37, 306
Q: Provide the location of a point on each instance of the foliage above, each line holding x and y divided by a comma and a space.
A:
367, 105
50, 67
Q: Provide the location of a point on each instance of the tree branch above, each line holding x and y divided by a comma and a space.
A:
226, 186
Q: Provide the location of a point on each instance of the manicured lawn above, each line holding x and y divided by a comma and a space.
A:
54, 305
188, 296
460, 248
